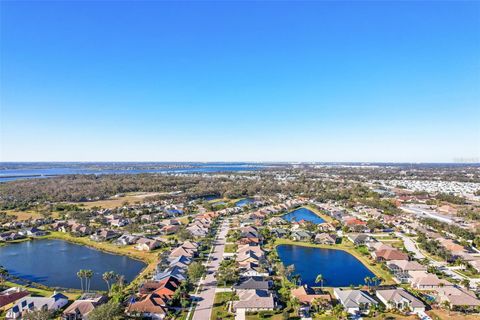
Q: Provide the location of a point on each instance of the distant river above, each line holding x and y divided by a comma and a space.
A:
32, 171
55, 263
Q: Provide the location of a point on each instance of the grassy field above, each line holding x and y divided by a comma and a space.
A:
29, 214
348, 247
115, 202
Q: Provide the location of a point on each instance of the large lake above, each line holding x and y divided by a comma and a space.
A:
339, 268
16, 171
303, 214
55, 263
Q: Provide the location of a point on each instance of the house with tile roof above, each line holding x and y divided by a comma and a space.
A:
400, 299
354, 301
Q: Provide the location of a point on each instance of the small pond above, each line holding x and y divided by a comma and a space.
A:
338, 268
303, 214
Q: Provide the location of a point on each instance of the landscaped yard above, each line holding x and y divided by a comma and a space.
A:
220, 306
231, 248
438, 314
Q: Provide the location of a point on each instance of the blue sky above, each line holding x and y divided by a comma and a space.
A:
240, 81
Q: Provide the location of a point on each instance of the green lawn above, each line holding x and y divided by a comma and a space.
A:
220, 306
231, 248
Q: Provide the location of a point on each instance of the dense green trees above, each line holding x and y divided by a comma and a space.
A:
110, 310
196, 271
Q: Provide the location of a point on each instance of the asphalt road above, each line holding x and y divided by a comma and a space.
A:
206, 296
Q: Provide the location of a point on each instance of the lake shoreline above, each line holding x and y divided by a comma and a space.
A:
149, 259
374, 268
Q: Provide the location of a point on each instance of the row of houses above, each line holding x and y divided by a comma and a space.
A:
154, 297
254, 288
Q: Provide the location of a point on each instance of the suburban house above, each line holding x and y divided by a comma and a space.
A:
252, 283
306, 295
325, 238
400, 299
400, 269
9, 236
11, 295
32, 232
166, 286
53, 303
253, 300
181, 262
422, 280
183, 251
252, 269
169, 229
457, 298
388, 254
279, 233
104, 235
358, 238
81, 307
197, 231
126, 239
301, 235
354, 301
176, 272
152, 306
146, 244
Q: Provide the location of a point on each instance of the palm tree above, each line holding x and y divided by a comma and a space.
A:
374, 280
80, 275
3, 274
320, 279
88, 276
367, 281
466, 283
289, 270
296, 279
107, 276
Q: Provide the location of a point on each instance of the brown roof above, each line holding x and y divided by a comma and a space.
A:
389, 254
306, 295
83, 307
12, 297
152, 303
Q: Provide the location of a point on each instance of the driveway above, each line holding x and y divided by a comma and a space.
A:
240, 314
206, 295
410, 246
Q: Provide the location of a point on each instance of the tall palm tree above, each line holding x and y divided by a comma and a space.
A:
296, 279
88, 277
320, 279
367, 281
3, 274
80, 275
375, 280
107, 276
